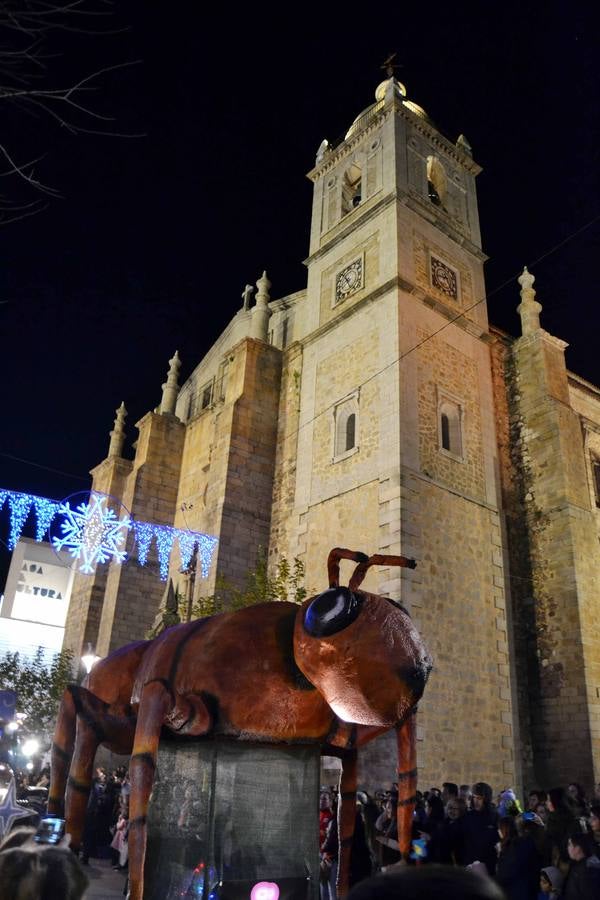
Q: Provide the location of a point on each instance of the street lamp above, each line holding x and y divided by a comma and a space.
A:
30, 747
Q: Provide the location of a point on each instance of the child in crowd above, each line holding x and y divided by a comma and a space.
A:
551, 882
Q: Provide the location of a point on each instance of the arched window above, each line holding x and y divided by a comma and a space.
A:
351, 188
445, 430
437, 183
350, 431
450, 427
345, 427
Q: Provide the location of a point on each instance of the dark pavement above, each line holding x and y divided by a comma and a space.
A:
105, 883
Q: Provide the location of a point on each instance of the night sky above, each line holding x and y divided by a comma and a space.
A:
153, 238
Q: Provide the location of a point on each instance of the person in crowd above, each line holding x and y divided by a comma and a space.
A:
535, 798
530, 825
559, 824
329, 862
43, 779
480, 827
119, 845
325, 814
583, 879
542, 812
125, 784
465, 793
386, 827
518, 866
30, 871
451, 835
420, 814
594, 823
551, 882
96, 832
508, 805
577, 801
449, 792
361, 860
369, 814
433, 882
432, 831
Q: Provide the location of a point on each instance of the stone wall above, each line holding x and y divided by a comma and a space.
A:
250, 460
284, 481
553, 545
133, 592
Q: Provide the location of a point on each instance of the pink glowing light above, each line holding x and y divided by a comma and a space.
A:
265, 890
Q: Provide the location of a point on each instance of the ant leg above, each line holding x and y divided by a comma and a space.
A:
61, 754
79, 781
155, 704
407, 780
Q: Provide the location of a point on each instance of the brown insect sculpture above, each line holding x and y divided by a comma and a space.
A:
339, 670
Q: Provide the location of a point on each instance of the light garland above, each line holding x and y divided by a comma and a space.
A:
144, 532
45, 510
187, 542
20, 504
165, 538
92, 533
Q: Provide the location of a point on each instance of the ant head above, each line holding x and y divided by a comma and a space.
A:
362, 652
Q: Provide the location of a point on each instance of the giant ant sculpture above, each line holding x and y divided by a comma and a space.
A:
341, 669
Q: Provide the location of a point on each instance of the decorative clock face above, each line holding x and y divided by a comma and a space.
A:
444, 278
349, 280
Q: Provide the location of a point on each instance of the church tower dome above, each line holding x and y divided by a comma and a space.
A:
385, 91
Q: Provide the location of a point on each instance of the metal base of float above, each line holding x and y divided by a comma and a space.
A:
225, 816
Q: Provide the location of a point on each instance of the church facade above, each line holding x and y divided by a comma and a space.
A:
378, 409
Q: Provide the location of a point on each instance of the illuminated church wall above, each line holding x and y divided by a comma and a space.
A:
377, 409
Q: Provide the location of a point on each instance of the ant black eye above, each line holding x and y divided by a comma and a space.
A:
332, 611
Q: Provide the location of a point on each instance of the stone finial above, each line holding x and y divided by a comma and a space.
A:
117, 435
261, 313
264, 285
526, 280
247, 295
529, 309
323, 150
170, 388
463, 144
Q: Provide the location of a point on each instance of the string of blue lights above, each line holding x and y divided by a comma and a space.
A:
93, 533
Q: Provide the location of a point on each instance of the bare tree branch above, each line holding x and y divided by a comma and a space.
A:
25, 28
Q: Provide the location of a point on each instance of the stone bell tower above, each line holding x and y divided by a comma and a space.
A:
395, 444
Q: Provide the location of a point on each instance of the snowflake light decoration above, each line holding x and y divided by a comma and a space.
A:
92, 533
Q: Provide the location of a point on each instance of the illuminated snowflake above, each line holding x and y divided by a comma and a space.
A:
92, 533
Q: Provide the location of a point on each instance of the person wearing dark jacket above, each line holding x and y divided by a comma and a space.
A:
560, 823
583, 880
432, 830
480, 829
517, 870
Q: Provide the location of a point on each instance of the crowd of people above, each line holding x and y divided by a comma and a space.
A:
549, 847
546, 848
107, 817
